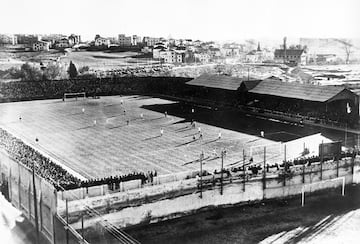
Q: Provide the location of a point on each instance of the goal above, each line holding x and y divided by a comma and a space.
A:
331, 183
74, 95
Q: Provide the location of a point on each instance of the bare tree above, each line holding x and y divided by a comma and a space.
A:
347, 46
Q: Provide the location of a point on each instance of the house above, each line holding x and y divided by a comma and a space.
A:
230, 51
102, 42
41, 46
202, 57
156, 51
8, 39
215, 52
171, 56
124, 41
290, 56
325, 58
135, 40
74, 39
62, 43
27, 39
151, 41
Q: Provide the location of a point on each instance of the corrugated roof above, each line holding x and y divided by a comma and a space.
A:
296, 90
217, 81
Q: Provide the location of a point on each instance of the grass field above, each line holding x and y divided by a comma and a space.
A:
112, 147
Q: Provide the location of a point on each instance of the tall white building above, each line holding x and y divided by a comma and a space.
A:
124, 41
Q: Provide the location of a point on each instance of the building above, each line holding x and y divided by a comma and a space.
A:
74, 39
171, 56
290, 56
41, 46
281, 100
27, 39
102, 42
135, 40
220, 88
230, 51
8, 39
156, 51
325, 58
62, 43
124, 41
202, 57
151, 41
333, 103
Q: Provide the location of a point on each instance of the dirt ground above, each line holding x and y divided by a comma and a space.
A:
327, 217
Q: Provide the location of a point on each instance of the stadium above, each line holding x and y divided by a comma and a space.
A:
136, 141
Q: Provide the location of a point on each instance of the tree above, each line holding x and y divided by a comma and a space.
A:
347, 46
52, 71
30, 73
84, 69
72, 71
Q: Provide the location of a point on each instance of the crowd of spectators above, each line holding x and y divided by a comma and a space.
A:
113, 182
113, 85
43, 166
55, 174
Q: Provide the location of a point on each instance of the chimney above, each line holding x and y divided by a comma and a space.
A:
284, 49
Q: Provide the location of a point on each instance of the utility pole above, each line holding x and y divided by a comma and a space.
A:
345, 134
35, 204
321, 158
67, 222
264, 170
223, 152
244, 169
201, 158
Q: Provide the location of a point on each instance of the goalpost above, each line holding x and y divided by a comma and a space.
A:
321, 186
73, 95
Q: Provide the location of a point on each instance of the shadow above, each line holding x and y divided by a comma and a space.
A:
187, 143
194, 134
155, 119
86, 127
75, 114
214, 158
114, 127
236, 120
211, 141
151, 138
313, 230
196, 161
183, 130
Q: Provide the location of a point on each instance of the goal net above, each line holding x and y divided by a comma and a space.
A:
325, 184
74, 95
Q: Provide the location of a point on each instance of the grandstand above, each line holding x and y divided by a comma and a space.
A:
328, 104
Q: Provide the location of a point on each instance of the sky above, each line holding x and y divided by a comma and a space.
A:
218, 20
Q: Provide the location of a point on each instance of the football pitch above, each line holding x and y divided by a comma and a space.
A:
122, 142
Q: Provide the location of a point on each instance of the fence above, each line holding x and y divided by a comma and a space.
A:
101, 190
39, 208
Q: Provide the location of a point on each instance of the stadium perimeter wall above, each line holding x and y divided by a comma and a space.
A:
20, 182
146, 205
94, 191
